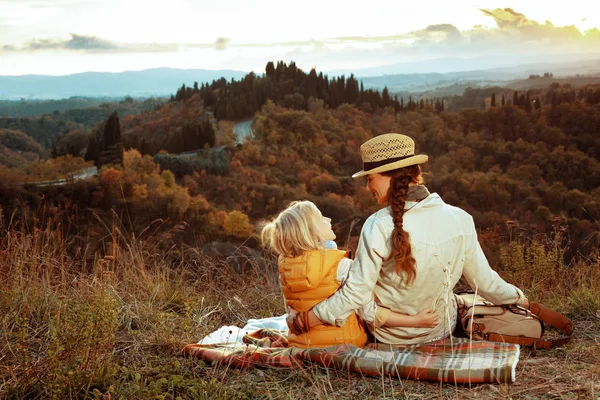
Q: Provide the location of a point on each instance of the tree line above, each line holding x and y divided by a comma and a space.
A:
291, 87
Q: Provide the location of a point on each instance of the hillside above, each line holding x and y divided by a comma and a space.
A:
84, 110
543, 162
545, 82
485, 67
59, 128
146, 83
114, 275
17, 149
107, 278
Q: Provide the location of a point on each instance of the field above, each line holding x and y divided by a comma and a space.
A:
114, 327
545, 82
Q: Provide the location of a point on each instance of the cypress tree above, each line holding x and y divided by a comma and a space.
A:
385, 97
352, 90
270, 70
112, 130
522, 102
105, 147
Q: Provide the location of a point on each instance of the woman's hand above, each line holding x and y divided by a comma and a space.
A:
427, 318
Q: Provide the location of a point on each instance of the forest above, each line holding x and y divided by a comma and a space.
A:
529, 157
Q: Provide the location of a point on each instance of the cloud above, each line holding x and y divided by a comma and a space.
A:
593, 33
52, 4
514, 34
452, 33
518, 24
222, 43
91, 44
94, 44
77, 42
368, 39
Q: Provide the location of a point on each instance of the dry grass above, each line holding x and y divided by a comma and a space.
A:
114, 327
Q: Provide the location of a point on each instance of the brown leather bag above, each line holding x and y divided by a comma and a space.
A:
483, 320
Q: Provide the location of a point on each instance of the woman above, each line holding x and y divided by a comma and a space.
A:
411, 254
310, 272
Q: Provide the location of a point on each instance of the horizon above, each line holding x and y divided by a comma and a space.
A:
162, 81
64, 37
524, 65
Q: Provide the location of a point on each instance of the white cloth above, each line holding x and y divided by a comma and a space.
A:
445, 247
234, 334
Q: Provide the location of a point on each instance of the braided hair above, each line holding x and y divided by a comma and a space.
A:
397, 193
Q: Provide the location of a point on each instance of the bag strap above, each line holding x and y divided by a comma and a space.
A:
548, 316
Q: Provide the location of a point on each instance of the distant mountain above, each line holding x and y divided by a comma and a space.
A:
398, 81
431, 66
146, 83
425, 81
514, 65
442, 76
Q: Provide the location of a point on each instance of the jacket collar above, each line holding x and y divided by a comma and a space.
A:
433, 200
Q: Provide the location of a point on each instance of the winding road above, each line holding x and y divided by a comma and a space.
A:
243, 129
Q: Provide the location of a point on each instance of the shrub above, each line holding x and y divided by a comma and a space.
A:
238, 224
325, 183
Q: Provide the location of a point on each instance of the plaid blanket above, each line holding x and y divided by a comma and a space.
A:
452, 360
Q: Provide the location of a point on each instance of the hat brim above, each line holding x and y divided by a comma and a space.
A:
407, 162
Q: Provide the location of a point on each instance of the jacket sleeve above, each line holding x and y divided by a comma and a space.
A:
343, 270
358, 289
481, 277
367, 312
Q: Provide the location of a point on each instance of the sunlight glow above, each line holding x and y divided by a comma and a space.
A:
313, 26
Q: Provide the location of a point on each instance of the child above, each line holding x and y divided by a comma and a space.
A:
311, 272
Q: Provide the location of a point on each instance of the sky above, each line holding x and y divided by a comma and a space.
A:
60, 37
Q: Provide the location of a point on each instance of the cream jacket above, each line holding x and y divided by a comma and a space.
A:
445, 247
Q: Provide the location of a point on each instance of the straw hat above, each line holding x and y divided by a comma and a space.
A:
387, 152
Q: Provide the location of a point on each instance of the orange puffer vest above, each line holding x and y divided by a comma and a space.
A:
306, 281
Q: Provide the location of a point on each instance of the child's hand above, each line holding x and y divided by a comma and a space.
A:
291, 314
523, 303
427, 318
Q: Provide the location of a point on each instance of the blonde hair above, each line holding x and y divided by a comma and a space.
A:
294, 230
